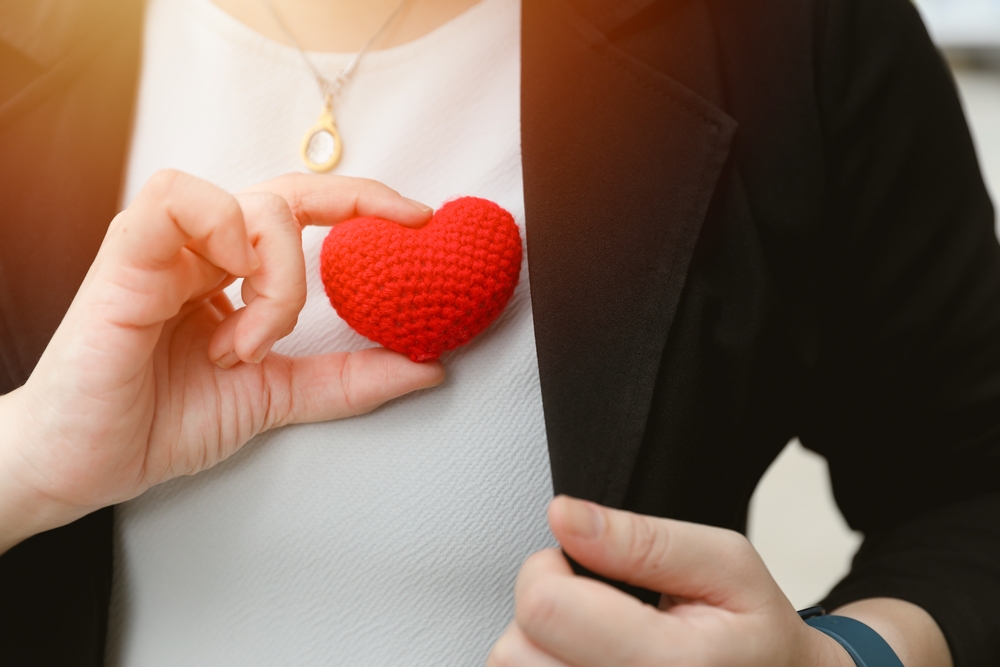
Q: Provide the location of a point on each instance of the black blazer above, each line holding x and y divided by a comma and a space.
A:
747, 220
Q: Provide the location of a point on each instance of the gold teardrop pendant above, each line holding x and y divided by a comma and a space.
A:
321, 145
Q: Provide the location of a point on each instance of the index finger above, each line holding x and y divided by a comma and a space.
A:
538, 566
318, 199
588, 623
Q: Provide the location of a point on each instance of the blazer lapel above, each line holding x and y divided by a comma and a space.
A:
74, 114
59, 38
620, 163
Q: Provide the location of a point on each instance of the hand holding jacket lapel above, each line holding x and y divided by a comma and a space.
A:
620, 163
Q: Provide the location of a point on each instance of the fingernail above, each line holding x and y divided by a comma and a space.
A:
262, 351
227, 361
583, 519
252, 258
424, 208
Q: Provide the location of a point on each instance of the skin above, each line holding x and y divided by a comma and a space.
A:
152, 375
719, 607
345, 25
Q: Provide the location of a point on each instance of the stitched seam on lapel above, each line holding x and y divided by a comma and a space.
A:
647, 85
722, 129
613, 497
631, 66
60, 73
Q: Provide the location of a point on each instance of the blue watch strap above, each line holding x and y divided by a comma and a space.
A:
864, 645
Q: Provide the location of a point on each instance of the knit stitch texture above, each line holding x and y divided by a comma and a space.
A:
424, 291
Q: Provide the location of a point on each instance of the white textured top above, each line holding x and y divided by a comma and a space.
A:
388, 539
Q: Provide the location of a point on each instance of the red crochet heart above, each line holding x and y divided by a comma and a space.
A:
428, 290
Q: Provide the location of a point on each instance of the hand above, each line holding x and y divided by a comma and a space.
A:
152, 374
720, 606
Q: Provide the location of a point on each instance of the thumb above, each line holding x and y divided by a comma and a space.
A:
678, 558
343, 384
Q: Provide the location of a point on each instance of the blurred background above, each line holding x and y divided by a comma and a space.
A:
794, 522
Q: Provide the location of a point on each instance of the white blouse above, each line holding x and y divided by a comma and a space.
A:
388, 539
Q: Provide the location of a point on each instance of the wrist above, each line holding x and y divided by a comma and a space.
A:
24, 511
828, 651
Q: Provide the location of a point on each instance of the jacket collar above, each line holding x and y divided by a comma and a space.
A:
61, 38
613, 212
44, 31
66, 115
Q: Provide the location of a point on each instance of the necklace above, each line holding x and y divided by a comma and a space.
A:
321, 145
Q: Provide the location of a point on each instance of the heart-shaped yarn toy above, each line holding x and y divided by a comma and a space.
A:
424, 291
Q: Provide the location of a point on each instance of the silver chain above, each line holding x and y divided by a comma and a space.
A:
330, 88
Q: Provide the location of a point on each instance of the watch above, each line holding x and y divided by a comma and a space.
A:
865, 646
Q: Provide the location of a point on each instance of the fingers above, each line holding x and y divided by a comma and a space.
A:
674, 557
180, 239
278, 287
539, 565
174, 210
275, 211
583, 622
317, 199
514, 649
344, 384
183, 237
724, 601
